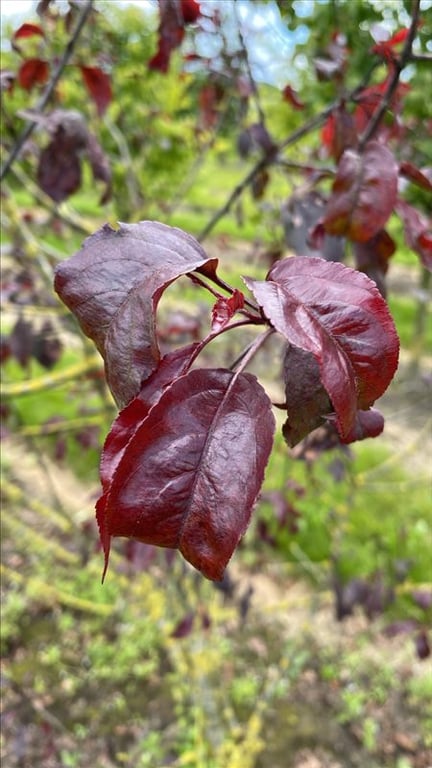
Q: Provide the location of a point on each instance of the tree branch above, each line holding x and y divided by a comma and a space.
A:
398, 65
43, 101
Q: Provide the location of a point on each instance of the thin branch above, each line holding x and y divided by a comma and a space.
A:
398, 66
43, 101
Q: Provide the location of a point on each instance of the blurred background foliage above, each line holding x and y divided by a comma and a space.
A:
159, 667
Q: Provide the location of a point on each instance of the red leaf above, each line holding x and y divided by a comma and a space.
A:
290, 95
171, 33
171, 367
418, 231
367, 424
184, 627
190, 474
415, 175
113, 285
372, 257
385, 47
364, 193
28, 30
339, 315
98, 84
190, 11
33, 72
338, 132
59, 169
224, 309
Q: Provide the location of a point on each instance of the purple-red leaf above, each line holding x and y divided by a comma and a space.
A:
339, 315
98, 84
364, 193
367, 424
418, 231
291, 96
113, 285
372, 257
191, 472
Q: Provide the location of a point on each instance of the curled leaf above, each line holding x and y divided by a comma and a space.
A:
113, 286
339, 315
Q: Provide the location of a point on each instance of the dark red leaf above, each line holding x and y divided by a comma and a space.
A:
422, 644
372, 257
171, 366
184, 626
47, 347
171, 33
21, 341
209, 98
339, 315
418, 231
364, 193
33, 72
415, 175
307, 401
28, 30
368, 101
59, 175
98, 84
113, 285
190, 10
290, 95
367, 424
224, 309
339, 133
190, 474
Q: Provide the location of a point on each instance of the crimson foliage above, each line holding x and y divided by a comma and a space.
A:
185, 459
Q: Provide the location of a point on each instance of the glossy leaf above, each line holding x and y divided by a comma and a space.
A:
339, 315
113, 285
98, 84
225, 309
190, 474
364, 193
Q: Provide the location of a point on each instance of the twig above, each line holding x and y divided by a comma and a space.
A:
43, 101
398, 66
17, 388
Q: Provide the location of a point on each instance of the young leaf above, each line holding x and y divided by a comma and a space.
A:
339, 315
364, 193
224, 309
98, 84
113, 286
190, 474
